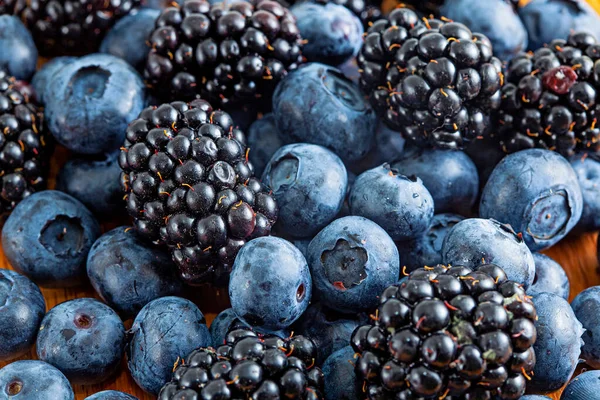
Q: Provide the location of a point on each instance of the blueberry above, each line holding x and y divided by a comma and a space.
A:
22, 308
90, 101
583, 387
333, 33
449, 175
426, 250
486, 154
18, 54
83, 338
550, 277
111, 395
302, 245
95, 182
496, 19
351, 71
340, 380
128, 272
388, 147
165, 330
558, 343
329, 329
227, 320
534, 397
537, 193
263, 141
587, 170
546, 20
586, 307
34, 380
44, 76
48, 236
317, 104
309, 183
127, 39
352, 260
399, 204
270, 284
476, 241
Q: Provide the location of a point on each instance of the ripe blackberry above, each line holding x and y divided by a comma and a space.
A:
24, 146
248, 366
189, 185
69, 27
433, 81
229, 52
448, 332
550, 98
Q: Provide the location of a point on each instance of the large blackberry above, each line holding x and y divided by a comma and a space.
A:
432, 80
248, 366
228, 52
69, 27
24, 146
550, 98
190, 186
448, 333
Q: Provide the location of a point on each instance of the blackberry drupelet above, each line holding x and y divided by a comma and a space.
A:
249, 366
448, 332
69, 27
432, 80
550, 98
189, 185
229, 53
24, 147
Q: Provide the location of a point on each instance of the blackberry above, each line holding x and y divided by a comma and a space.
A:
432, 80
448, 332
550, 98
69, 27
189, 185
229, 52
24, 146
248, 366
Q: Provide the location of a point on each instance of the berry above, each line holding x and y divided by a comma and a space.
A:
583, 387
18, 54
111, 395
42, 78
263, 140
340, 379
229, 52
435, 82
249, 366
227, 320
190, 186
586, 307
447, 331
587, 169
550, 277
37, 380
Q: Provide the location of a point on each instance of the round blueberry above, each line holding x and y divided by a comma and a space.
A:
534, 397
388, 146
111, 395
34, 380
449, 175
18, 54
550, 277
270, 284
48, 236
340, 380
333, 33
587, 170
44, 76
583, 387
352, 260
317, 104
263, 141
173, 327
537, 193
309, 183
22, 308
586, 307
558, 343
128, 272
399, 204
90, 101
476, 241
227, 320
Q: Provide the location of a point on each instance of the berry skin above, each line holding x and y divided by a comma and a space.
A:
351, 261
388, 145
175, 326
340, 379
477, 241
22, 307
309, 183
111, 395
587, 169
263, 140
228, 53
448, 331
583, 387
28, 379
18, 54
586, 307
84, 339
48, 237
227, 321
189, 185
42, 78
537, 193
434, 82
128, 273
550, 277
270, 284
248, 365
